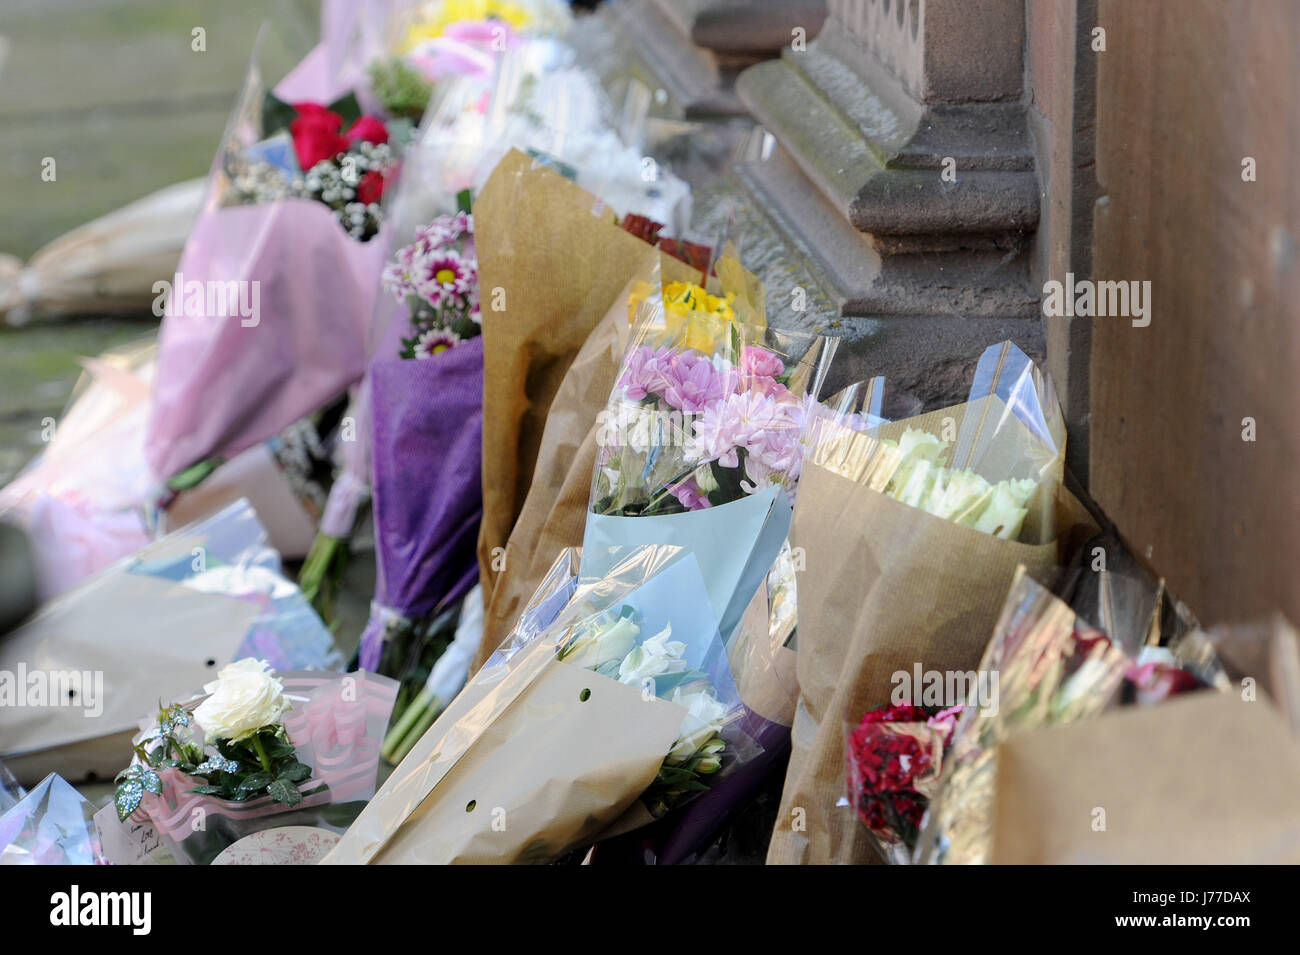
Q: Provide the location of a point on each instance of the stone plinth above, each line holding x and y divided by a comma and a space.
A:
901, 183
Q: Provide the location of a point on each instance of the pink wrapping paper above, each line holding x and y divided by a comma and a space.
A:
222, 385
351, 36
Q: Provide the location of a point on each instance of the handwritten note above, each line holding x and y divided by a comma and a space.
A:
126, 843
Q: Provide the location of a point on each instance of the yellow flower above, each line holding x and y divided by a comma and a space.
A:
447, 12
695, 318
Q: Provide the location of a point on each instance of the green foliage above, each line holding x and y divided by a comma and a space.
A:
401, 89
261, 764
674, 783
194, 475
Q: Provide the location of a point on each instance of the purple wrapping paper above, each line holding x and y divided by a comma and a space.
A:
679, 836
428, 495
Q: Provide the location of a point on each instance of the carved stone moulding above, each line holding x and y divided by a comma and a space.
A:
885, 129
693, 50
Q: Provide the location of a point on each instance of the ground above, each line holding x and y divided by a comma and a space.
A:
115, 93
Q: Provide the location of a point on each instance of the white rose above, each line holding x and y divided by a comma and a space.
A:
245, 697
603, 646
655, 657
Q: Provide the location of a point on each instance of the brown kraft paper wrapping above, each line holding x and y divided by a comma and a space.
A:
559, 269
886, 586
555, 511
1203, 779
764, 669
548, 772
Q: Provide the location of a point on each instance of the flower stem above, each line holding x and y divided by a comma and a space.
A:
261, 752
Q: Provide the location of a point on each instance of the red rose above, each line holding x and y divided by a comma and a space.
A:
369, 129
315, 110
371, 187
316, 135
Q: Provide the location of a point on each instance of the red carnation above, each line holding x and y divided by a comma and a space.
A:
371, 187
367, 129
894, 757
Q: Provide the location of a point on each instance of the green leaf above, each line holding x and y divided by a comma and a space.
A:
209, 790
465, 201
276, 114
277, 748
127, 798
256, 781
348, 108
295, 772
282, 790
152, 782
674, 775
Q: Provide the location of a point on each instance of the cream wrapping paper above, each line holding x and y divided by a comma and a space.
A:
141, 637
518, 769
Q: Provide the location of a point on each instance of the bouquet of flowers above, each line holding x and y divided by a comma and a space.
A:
701, 443
1053, 668
259, 746
426, 414
912, 529
337, 157
895, 755
216, 581
600, 714
608, 643
266, 318
430, 41
437, 277
544, 369
700, 358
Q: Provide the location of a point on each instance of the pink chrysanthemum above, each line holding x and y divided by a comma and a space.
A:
690, 495
693, 382
446, 272
435, 341
750, 420
641, 375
